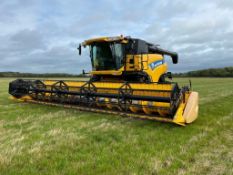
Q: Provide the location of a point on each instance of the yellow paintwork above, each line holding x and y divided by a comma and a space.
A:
108, 72
110, 87
178, 118
156, 73
187, 112
138, 63
105, 39
146, 107
103, 87
182, 116
191, 109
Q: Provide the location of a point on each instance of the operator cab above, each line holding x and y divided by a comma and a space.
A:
112, 55
124, 58
106, 55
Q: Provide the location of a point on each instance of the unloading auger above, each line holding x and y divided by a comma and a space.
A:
128, 77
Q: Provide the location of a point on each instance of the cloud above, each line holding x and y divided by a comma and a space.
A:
42, 36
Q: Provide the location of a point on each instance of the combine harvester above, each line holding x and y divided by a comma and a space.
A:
128, 77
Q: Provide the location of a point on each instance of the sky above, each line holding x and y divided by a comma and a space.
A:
41, 36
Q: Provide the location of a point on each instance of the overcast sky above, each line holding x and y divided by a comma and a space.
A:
41, 36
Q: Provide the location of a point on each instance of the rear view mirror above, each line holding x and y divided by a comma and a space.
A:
79, 49
174, 58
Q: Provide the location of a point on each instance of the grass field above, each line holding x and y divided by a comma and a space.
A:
37, 139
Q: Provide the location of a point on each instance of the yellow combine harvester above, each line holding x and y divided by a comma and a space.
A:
128, 78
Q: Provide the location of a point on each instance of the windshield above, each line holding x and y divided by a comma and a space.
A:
106, 56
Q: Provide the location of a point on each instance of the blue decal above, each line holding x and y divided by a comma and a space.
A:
155, 64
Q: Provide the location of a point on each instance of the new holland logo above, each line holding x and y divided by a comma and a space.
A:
155, 64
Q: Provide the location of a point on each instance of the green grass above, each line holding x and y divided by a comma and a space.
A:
36, 139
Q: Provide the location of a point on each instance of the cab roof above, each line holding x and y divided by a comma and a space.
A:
120, 38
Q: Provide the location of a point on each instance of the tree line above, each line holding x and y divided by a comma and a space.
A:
214, 72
